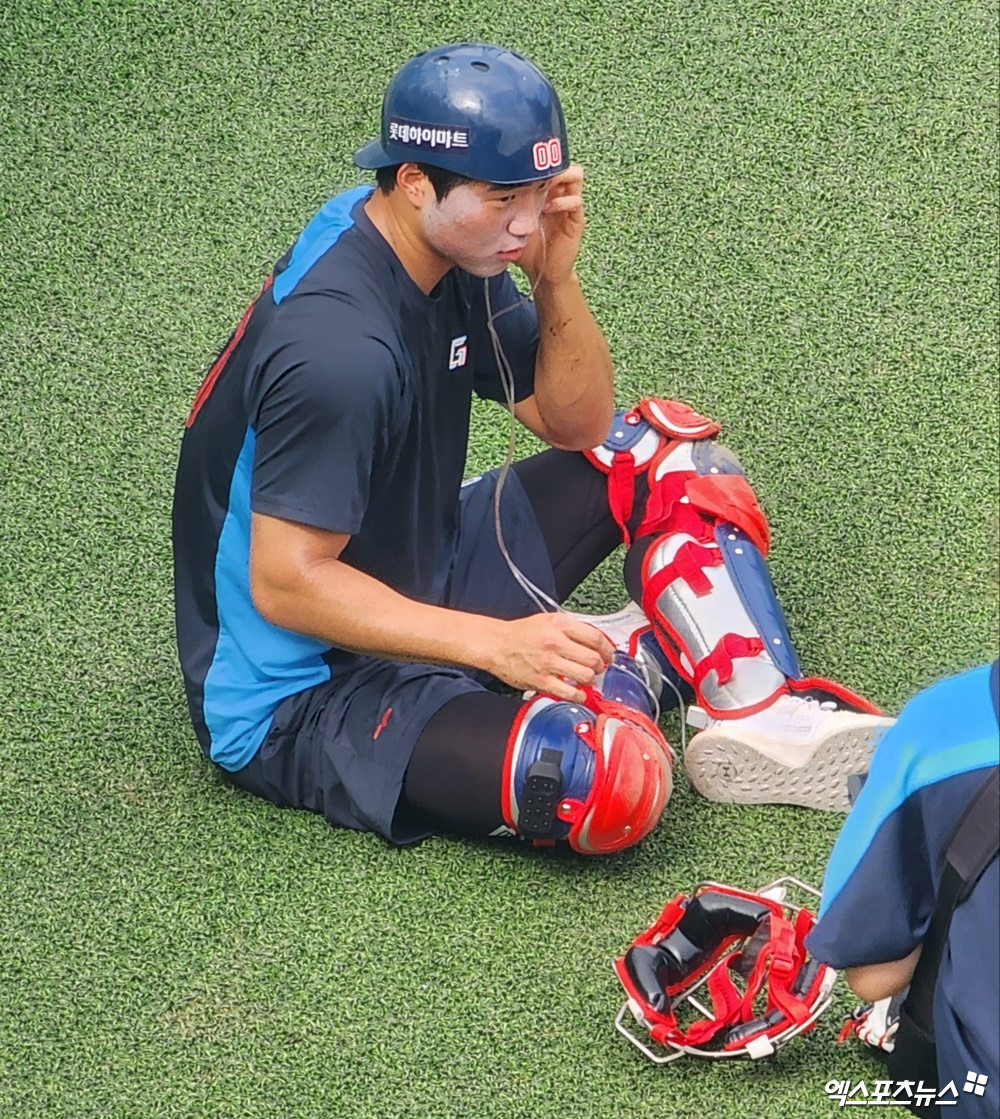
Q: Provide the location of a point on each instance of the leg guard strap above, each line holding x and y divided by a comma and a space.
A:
705, 584
637, 441
689, 563
702, 632
720, 659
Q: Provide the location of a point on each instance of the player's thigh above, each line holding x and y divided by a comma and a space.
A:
481, 580
342, 748
455, 778
556, 527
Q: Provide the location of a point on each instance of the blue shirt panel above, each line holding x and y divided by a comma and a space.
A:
946, 730
317, 237
256, 665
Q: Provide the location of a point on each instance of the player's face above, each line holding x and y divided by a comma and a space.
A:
483, 228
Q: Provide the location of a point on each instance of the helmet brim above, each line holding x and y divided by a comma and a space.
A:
372, 156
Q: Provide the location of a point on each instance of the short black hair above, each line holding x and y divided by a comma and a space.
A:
442, 181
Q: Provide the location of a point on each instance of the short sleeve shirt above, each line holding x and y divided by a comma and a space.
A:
341, 402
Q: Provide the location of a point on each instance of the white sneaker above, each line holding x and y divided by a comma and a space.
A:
623, 630
800, 750
620, 627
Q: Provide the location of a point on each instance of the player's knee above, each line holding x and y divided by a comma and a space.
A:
688, 473
598, 781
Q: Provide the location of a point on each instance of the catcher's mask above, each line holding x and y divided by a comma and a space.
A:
474, 109
747, 950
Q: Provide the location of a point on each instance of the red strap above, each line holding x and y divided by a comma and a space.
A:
795, 1009
851, 1026
803, 924
731, 498
729, 1008
726, 998
720, 659
688, 564
788, 959
621, 490
673, 911
652, 588
784, 962
755, 981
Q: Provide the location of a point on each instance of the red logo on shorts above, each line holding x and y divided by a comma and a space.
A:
381, 723
547, 154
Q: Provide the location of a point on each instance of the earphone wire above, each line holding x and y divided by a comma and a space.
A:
544, 602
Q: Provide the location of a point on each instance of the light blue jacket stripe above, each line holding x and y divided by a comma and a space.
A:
947, 729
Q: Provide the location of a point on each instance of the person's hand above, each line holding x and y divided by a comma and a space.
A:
550, 255
551, 653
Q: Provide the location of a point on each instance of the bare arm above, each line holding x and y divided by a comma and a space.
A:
573, 402
871, 982
298, 582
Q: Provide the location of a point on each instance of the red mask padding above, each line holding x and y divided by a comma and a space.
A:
724, 934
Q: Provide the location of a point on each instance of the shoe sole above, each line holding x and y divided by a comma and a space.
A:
725, 768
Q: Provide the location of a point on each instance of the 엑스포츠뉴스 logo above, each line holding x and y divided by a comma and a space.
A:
976, 1083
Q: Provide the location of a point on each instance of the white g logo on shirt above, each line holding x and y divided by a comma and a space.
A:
459, 352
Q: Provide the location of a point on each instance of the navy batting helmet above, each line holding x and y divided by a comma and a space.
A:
474, 109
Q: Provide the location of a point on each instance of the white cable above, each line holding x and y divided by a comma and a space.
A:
544, 603
680, 703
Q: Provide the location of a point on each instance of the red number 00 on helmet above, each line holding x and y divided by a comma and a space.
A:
547, 154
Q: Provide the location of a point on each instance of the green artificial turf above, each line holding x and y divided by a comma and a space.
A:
792, 226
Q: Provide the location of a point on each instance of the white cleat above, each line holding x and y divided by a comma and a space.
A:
800, 750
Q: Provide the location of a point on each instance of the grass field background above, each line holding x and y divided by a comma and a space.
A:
793, 225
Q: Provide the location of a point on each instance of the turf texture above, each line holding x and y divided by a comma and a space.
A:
793, 225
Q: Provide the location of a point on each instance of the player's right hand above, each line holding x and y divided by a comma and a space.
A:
551, 653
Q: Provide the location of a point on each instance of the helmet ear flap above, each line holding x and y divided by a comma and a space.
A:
476, 110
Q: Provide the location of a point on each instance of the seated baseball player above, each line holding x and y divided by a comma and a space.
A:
348, 612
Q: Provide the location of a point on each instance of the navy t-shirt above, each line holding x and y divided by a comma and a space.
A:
341, 402
882, 881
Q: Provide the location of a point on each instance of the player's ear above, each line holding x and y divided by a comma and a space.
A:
414, 185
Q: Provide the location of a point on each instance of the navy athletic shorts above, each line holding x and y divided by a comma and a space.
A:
342, 748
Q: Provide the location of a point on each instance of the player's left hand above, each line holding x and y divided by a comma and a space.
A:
550, 255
